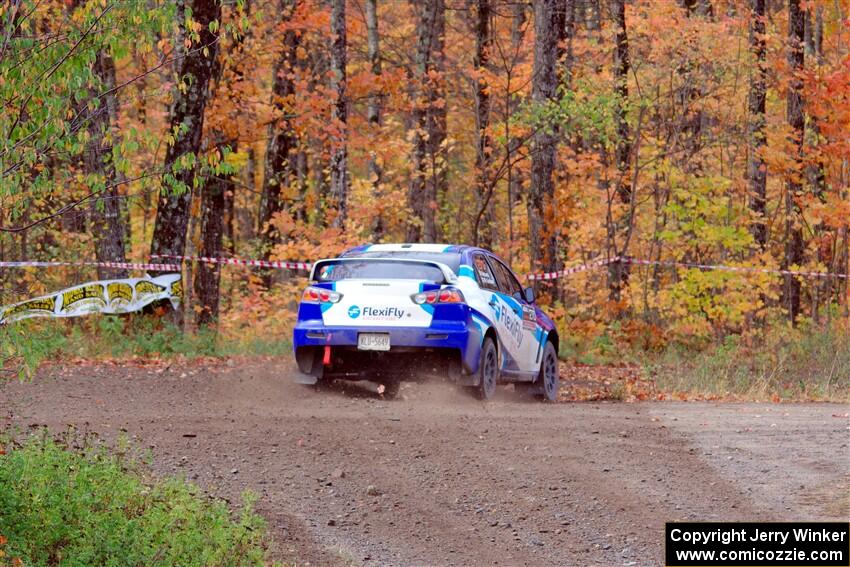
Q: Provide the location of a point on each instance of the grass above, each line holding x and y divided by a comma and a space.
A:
785, 364
774, 362
26, 344
76, 503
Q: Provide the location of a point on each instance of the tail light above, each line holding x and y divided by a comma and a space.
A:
320, 295
445, 295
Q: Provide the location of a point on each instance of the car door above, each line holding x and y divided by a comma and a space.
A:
506, 310
529, 346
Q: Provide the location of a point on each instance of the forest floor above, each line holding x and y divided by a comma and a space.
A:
437, 478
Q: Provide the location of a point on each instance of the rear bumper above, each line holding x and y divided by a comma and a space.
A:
306, 334
451, 341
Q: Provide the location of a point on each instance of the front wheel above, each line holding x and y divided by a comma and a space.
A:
488, 370
548, 379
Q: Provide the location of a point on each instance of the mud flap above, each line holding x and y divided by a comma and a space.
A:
459, 377
310, 364
305, 379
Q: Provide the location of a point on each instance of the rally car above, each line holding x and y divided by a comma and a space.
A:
393, 312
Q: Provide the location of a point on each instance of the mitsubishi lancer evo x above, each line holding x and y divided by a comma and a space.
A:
392, 312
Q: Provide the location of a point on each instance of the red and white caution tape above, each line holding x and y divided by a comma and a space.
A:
239, 262
306, 266
690, 265
745, 269
572, 270
121, 265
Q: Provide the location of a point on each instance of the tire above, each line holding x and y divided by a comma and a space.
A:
548, 379
488, 370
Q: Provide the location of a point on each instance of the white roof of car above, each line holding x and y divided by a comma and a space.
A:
409, 247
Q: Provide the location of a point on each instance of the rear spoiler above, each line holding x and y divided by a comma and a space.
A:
448, 273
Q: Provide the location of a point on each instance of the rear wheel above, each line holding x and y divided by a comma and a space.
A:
488, 370
548, 379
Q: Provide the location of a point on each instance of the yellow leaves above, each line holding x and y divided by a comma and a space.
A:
237, 160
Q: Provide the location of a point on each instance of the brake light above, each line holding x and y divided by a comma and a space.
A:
445, 295
320, 295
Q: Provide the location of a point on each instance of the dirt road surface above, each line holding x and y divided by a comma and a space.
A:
436, 478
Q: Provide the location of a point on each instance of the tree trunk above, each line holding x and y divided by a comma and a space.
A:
815, 173
617, 271
429, 122
339, 157
208, 276
756, 168
373, 111
483, 153
623, 150
793, 187
217, 200
542, 213
279, 162
567, 33
105, 213
187, 116
514, 177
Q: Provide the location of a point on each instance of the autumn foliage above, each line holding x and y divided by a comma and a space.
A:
237, 120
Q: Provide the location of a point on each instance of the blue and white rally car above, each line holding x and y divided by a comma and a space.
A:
393, 312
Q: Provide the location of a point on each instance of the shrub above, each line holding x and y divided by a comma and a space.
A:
87, 506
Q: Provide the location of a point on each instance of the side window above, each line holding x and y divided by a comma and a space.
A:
507, 281
483, 273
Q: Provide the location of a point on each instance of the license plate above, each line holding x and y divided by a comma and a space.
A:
373, 341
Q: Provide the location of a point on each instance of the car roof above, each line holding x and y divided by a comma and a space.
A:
461, 249
409, 247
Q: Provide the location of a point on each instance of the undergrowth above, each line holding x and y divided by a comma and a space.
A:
771, 362
785, 364
26, 344
77, 503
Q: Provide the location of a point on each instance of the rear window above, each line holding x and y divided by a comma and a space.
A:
377, 270
452, 260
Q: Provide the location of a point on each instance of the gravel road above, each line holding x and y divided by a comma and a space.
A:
436, 478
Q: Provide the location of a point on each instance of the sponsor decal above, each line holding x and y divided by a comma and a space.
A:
177, 289
120, 294
41, 307
508, 319
529, 318
377, 313
84, 298
147, 287
108, 296
383, 313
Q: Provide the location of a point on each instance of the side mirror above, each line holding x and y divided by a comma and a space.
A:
529, 294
